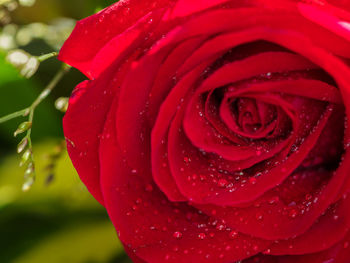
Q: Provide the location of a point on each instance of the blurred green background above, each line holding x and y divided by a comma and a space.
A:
60, 221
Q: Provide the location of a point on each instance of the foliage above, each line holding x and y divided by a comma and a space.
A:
57, 220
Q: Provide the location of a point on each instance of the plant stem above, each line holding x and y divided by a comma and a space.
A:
43, 95
20, 113
29, 132
47, 56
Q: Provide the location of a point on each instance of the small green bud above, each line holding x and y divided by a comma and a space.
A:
24, 62
62, 104
28, 183
30, 170
25, 157
24, 126
30, 68
22, 145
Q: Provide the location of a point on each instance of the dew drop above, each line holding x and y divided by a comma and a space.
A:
201, 236
259, 216
177, 235
222, 183
220, 227
187, 160
308, 197
252, 180
233, 234
274, 200
293, 213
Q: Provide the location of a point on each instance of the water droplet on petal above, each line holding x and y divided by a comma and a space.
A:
177, 234
252, 180
259, 216
233, 234
293, 213
201, 236
222, 183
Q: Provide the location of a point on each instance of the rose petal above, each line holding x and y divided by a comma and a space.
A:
97, 30
132, 198
206, 191
328, 230
160, 168
325, 19
339, 253
166, 76
118, 48
276, 225
82, 135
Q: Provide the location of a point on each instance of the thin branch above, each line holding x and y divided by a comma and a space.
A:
20, 113
43, 95
47, 56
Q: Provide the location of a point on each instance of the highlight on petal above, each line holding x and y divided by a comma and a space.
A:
325, 19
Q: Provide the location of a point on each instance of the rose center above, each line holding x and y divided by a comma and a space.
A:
252, 116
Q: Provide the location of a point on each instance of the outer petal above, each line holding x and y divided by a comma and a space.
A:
323, 18
84, 121
328, 230
91, 34
82, 134
339, 253
132, 255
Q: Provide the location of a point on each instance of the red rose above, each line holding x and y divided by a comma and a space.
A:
213, 130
